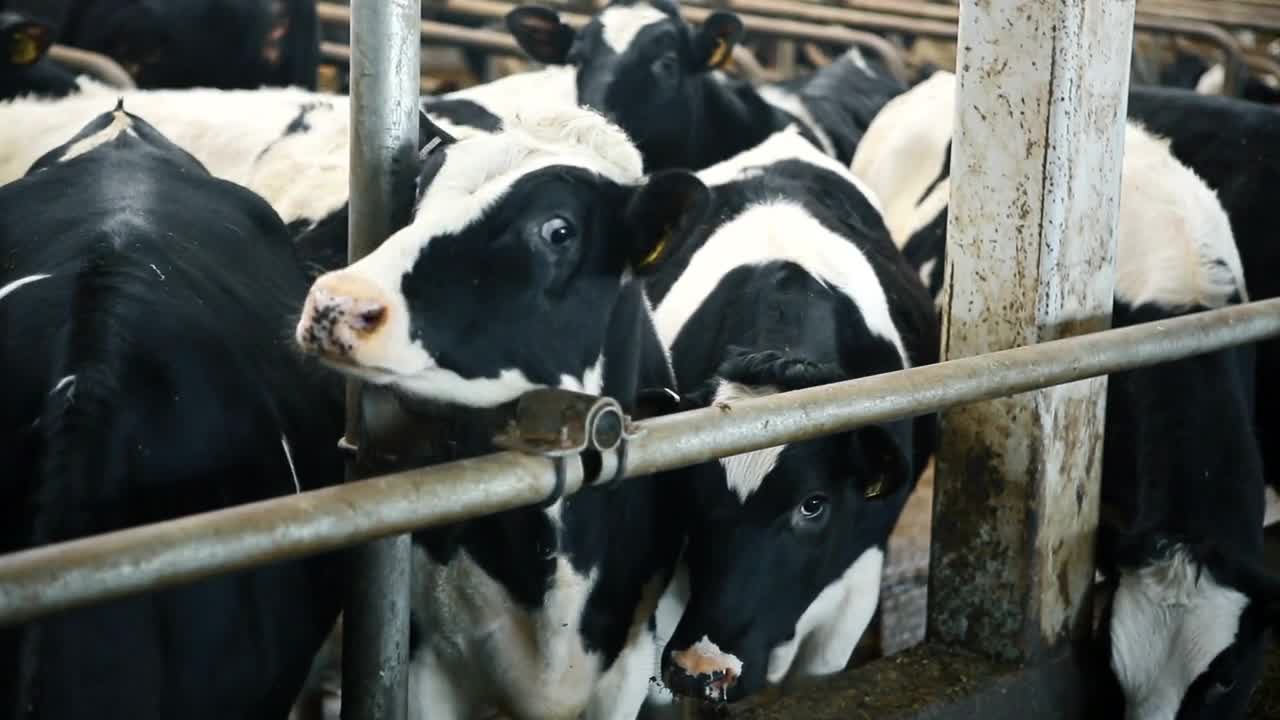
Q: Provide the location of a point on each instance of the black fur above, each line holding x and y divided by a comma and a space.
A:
170, 302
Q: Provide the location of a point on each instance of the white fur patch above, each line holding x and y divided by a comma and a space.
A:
1166, 628
926, 270
830, 628
745, 473
554, 85
288, 455
120, 124
1175, 243
9, 288
903, 152
486, 648
785, 144
591, 382
1212, 81
225, 130
855, 56
69, 383
767, 232
791, 104
621, 23
1174, 247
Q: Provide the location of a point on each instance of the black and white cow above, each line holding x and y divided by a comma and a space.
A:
1182, 472
795, 283
290, 146
522, 269
24, 67
1234, 146
144, 318
641, 64
201, 43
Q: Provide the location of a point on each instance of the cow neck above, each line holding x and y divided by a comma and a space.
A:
633, 358
731, 117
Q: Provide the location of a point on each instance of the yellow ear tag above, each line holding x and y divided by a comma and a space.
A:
24, 48
720, 54
875, 489
657, 252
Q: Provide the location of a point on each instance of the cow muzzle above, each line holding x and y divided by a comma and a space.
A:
702, 671
342, 312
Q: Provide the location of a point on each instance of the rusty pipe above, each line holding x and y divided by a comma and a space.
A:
102, 67
78, 572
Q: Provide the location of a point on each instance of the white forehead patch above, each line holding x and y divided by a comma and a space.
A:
785, 144
745, 473
1169, 621
19, 283
766, 233
621, 23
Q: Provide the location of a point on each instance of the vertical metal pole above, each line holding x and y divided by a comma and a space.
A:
1035, 184
384, 136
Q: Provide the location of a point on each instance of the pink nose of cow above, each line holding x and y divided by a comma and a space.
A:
341, 311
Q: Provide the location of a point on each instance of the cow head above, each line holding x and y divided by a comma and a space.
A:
784, 559
25, 40
521, 245
638, 62
1186, 629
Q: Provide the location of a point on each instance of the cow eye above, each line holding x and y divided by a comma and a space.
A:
813, 507
558, 231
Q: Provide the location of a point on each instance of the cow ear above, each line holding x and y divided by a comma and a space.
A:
661, 213
713, 46
886, 458
541, 34
25, 42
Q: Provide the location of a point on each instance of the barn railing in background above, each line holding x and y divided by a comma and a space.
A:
94, 569
97, 65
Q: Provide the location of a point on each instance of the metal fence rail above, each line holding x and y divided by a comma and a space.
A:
69, 574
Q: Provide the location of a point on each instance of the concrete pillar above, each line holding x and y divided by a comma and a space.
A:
1035, 181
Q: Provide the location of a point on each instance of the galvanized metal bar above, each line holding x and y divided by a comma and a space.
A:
1041, 99
385, 70
79, 572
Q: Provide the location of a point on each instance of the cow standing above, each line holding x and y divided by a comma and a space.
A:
796, 283
144, 311
1182, 476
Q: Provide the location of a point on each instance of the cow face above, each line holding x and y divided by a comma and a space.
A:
785, 554
505, 279
637, 62
1187, 631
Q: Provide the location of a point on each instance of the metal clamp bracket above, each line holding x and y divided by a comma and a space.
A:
562, 423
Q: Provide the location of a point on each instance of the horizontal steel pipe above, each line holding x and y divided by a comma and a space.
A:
69, 574
93, 569
102, 67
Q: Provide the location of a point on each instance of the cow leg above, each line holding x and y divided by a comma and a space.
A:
622, 689
433, 695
